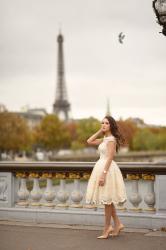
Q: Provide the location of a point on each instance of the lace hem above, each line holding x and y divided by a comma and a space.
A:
103, 202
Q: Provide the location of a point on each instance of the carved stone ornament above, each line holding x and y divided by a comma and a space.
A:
3, 189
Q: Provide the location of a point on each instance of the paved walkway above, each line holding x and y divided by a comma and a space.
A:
19, 236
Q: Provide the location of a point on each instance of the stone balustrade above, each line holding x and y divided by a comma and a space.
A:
62, 198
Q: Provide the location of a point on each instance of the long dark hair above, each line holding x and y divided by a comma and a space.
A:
115, 131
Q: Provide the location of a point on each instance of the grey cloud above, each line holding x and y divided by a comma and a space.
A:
94, 59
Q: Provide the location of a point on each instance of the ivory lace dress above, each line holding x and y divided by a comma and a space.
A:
113, 190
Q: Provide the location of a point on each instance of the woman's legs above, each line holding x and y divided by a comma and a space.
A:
107, 227
110, 210
117, 224
108, 213
114, 216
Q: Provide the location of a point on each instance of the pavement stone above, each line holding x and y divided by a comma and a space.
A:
46, 237
158, 234
81, 227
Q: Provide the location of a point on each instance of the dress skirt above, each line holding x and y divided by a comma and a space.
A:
113, 190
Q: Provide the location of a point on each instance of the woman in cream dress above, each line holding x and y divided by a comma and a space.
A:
106, 185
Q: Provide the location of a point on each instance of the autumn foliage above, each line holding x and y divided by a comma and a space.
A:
54, 134
51, 134
15, 134
128, 129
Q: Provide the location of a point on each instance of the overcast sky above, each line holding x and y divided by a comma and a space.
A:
97, 67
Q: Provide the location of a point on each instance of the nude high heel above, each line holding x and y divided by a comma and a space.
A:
106, 234
121, 227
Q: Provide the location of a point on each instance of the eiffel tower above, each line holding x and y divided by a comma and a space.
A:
61, 105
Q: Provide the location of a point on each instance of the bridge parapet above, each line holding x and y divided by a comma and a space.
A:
55, 192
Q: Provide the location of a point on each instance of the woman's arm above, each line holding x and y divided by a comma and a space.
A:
93, 139
111, 149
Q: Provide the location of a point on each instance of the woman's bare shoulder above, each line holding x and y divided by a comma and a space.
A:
110, 138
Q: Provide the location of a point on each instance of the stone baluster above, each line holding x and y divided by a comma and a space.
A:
135, 197
62, 194
149, 197
49, 193
36, 193
23, 193
76, 194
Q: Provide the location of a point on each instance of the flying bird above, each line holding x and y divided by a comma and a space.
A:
121, 37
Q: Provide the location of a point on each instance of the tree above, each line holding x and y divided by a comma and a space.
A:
71, 126
160, 133
14, 133
161, 139
51, 134
150, 138
84, 129
144, 139
128, 129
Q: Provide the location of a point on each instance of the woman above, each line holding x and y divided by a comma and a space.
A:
106, 185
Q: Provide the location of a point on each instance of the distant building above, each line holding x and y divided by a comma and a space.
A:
139, 122
33, 117
2, 108
108, 112
61, 106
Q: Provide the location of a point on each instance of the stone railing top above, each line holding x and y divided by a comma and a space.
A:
126, 167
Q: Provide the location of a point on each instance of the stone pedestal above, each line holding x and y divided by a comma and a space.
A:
160, 191
7, 189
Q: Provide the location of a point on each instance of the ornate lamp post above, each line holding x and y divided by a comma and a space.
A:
159, 7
